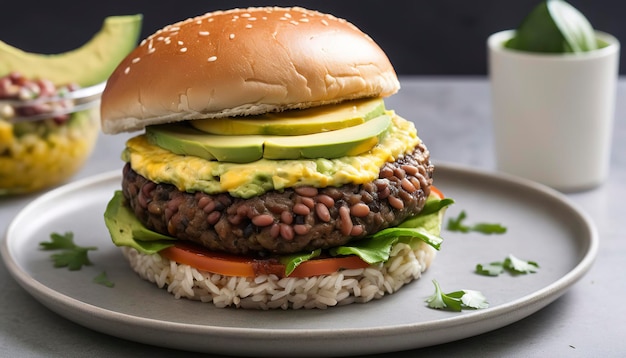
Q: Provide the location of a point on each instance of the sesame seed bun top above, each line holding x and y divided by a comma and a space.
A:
244, 62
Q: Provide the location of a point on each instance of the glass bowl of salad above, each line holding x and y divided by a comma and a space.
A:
47, 132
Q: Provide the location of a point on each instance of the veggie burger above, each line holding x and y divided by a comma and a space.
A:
269, 173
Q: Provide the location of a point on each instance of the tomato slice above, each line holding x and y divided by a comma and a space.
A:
326, 266
436, 191
245, 266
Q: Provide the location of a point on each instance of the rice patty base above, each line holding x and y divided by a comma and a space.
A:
270, 292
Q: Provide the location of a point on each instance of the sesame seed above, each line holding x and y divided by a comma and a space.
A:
211, 19
203, 33
288, 15
183, 49
151, 50
324, 22
282, 18
180, 42
252, 19
198, 22
245, 15
173, 28
212, 58
231, 36
135, 60
143, 42
248, 26
126, 70
293, 22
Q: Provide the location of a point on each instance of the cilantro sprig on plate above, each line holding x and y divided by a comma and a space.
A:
72, 256
103, 279
457, 224
510, 264
457, 300
69, 254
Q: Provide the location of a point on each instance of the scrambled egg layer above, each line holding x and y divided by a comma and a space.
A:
191, 174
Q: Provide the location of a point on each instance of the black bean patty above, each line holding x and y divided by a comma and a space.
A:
287, 221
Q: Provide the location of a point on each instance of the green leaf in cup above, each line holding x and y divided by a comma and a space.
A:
554, 26
574, 26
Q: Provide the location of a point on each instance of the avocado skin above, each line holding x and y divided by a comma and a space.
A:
87, 65
298, 122
183, 139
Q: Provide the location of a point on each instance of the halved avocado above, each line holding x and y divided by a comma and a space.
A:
87, 65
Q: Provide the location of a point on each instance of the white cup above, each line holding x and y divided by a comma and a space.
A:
553, 113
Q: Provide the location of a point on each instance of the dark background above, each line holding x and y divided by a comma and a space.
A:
424, 37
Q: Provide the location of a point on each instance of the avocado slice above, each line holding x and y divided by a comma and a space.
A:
182, 139
342, 142
87, 65
297, 122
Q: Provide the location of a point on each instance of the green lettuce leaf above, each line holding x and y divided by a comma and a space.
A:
369, 250
434, 205
292, 261
126, 230
426, 226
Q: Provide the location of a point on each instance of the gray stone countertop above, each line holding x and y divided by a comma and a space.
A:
453, 117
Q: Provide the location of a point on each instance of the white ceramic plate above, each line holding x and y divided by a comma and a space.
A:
542, 226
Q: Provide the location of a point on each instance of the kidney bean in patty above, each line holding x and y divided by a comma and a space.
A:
288, 221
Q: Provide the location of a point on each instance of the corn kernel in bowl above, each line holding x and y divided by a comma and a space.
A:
39, 154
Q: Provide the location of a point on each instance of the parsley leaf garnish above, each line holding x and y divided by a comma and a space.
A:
73, 259
511, 264
72, 256
456, 224
58, 242
474, 299
102, 279
490, 269
457, 300
516, 265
